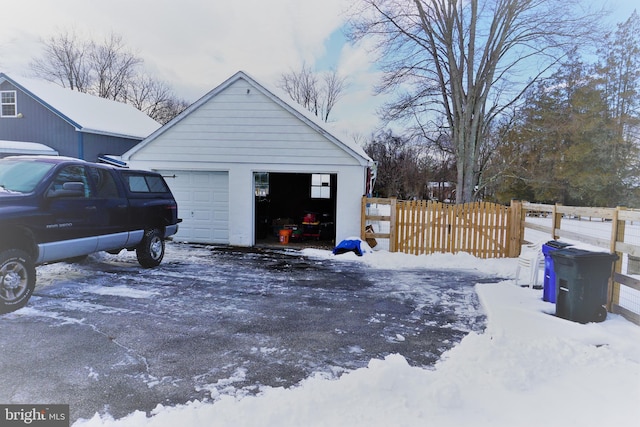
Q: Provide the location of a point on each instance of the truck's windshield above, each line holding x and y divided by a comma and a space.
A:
21, 176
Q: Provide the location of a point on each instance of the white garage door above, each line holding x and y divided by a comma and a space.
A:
203, 205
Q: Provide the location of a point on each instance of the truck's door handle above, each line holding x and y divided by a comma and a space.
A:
91, 208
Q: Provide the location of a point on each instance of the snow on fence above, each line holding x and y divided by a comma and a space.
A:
613, 229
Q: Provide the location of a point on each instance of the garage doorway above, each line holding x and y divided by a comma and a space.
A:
304, 203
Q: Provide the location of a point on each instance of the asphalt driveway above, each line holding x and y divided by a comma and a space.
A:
107, 336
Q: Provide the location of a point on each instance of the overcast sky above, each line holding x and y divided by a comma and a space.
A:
195, 45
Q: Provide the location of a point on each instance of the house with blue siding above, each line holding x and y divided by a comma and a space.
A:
71, 123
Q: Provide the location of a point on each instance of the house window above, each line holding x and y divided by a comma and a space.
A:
261, 180
8, 103
320, 186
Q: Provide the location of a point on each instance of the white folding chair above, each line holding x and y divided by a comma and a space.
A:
531, 261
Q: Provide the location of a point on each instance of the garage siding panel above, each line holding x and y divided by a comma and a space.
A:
203, 205
243, 125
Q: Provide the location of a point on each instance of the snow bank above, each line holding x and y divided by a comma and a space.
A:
528, 368
502, 267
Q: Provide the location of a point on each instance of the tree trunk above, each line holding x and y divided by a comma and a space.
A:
450, 57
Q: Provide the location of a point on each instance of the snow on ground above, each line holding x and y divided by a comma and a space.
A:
528, 368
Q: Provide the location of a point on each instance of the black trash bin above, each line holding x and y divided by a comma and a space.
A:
549, 283
582, 279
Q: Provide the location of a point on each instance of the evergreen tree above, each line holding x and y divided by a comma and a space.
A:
561, 141
575, 139
619, 71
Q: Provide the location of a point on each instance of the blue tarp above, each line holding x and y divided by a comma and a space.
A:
352, 245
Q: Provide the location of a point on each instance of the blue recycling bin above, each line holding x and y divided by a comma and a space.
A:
549, 283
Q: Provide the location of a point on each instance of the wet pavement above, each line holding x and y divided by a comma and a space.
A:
107, 336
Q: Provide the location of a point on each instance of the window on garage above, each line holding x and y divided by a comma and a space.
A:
261, 180
320, 186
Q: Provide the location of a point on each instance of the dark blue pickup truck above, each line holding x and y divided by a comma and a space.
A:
56, 208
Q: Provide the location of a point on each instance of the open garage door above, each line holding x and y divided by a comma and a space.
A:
303, 202
203, 205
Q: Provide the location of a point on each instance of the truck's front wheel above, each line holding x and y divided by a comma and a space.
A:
151, 250
17, 279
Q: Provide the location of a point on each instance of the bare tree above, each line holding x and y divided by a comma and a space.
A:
302, 87
403, 171
108, 70
169, 109
458, 58
334, 86
65, 61
147, 94
113, 68
155, 98
317, 93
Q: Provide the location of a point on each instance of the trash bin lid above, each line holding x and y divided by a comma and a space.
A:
582, 254
557, 245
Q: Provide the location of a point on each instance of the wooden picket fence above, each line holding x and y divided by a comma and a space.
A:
488, 230
485, 230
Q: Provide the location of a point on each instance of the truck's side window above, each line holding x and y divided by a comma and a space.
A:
146, 184
71, 174
156, 184
137, 184
105, 184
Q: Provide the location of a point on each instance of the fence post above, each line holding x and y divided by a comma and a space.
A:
393, 225
515, 227
617, 235
363, 217
556, 218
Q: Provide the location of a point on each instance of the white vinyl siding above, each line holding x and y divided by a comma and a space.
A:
240, 127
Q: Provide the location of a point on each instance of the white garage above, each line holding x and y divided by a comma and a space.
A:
243, 163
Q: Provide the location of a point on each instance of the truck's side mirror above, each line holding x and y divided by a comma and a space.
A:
69, 189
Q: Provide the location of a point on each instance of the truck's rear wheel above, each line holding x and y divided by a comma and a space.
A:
17, 279
151, 250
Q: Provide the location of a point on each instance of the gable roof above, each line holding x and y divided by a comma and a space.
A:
87, 113
350, 147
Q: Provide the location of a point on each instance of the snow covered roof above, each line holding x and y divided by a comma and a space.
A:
88, 113
279, 98
20, 147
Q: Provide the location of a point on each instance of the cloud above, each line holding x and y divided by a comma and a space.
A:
194, 45
201, 41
